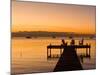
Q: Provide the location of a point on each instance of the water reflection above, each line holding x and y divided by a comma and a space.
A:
29, 55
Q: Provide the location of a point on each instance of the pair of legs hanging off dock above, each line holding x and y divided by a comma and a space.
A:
69, 60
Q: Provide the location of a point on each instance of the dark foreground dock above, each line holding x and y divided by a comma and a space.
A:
68, 60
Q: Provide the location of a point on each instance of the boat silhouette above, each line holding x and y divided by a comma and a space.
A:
28, 37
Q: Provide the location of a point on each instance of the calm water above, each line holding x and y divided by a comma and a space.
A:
29, 55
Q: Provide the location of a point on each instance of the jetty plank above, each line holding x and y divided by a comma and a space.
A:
68, 60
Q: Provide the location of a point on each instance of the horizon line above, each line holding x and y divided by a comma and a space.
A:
54, 31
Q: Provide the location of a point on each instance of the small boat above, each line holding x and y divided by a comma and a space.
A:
53, 36
70, 37
28, 37
91, 37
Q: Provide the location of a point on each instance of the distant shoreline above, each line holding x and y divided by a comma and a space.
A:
37, 34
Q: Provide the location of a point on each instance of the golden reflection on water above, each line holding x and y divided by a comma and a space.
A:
29, 55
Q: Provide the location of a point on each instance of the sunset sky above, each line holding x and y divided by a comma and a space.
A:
32, 16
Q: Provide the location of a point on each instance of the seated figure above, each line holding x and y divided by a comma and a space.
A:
72, 42
81, 41
63, 42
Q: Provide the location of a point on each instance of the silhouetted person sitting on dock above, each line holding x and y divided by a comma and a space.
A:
72, 42
63, 41
81, 41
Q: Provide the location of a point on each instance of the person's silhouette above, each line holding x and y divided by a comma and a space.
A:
81, 41
63, 42
72, 42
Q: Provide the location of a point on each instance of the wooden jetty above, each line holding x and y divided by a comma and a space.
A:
68, 60
61, 47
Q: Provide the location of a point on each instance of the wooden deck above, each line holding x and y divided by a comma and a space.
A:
61, 47
68, 58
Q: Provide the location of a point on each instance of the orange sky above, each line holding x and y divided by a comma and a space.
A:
32, 16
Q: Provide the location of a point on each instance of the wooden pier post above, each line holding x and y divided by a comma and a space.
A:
47, 53
86, 51
50, 52
89, 52
60, 52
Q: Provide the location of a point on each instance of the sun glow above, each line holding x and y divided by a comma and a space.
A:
31, 16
